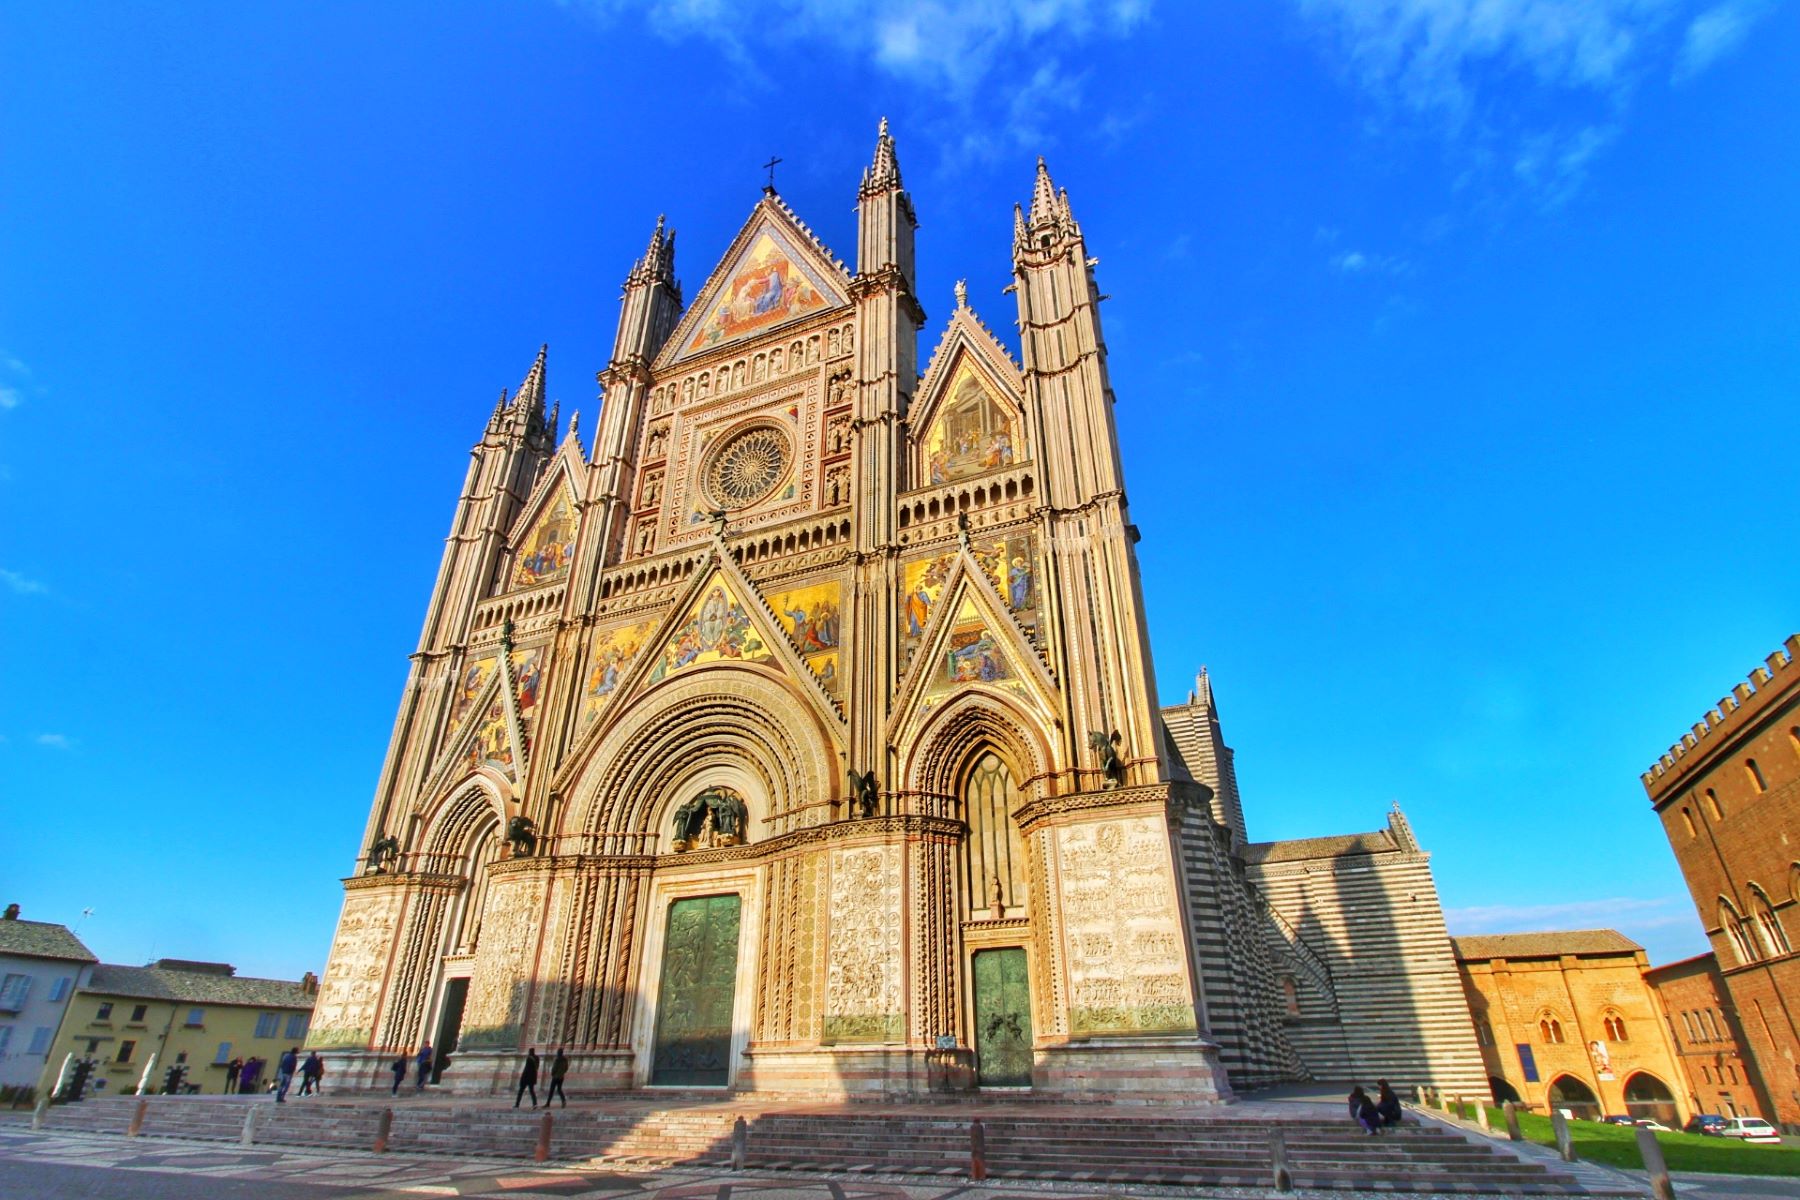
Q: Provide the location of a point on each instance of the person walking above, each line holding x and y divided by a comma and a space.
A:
310, 1071
558, 1069
232, 1070
424, 1067
528, 1079
285, 1066
247, 1076
399, 1070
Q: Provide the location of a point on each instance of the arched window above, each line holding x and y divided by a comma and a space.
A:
994, 856
1569, 1093
1712, 802
1648, 1096
1794, 882
1768, 925
1550, 1030
1615, 1028
1756, 775
1687, 819
1731, 1071
1733, 926
1794, 741
1706, 1074
1694, 1034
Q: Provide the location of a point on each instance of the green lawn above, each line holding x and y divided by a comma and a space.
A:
1616, 1146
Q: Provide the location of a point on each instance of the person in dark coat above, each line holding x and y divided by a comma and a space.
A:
285, 1066
312, 1071
528, 1079
232, 1070
399, 1070
1362, 1111
558, 1068
1387, 1105
247, 1075
424, 1066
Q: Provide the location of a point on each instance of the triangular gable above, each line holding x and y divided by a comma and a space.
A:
966, 339
489, 734
971, 643
528, 675
971, 423
470, 686
611, 655
1007, 560
717, 627
543, 539
774, 272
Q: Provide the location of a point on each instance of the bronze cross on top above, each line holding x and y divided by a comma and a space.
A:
770, 165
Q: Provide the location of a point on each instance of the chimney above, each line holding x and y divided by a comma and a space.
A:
11, 914
309, 983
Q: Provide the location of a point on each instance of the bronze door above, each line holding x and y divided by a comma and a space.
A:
1002, 1019
694, 1001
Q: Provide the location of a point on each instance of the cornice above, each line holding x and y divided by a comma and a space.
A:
414, 880
1034, 813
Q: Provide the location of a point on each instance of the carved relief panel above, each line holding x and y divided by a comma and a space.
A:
503, 960
1121, 929
863, 981
344, 1014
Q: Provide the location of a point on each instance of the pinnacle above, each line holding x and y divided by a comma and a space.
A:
884, 173
1043, 196
531, 391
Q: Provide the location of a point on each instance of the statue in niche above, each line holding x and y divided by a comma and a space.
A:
865, 794
1106, 749
712, 820
521, 835
383, 853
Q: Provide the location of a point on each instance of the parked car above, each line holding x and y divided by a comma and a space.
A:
1652, 1124
1618, 1119
1711, 1124
1751, 1129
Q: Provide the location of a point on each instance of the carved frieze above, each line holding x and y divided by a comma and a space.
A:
344, 1014
502, 977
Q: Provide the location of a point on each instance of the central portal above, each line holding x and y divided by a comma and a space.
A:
694, 1000
1002, 1019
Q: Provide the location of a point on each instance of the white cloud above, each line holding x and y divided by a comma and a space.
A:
9, 397
1362, 262
1555, 164
1623, 912
55, 741
21, 585
948, 44
1715, 33
1438, 56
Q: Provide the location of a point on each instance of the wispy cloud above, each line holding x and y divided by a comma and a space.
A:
13, 374
1621, 912
1715, 33
1362, 262
55, 741
1540, 85
21, 585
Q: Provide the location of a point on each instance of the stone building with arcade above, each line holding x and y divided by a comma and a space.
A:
799, 732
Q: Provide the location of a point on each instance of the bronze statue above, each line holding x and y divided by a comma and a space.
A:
383, 853
729, 815
865, 794
688, 820
1107, 749
522, 837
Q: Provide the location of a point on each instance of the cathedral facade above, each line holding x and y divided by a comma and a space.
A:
801, 735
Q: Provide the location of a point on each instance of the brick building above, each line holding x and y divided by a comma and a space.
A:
1709, 1046
1728, 796
1565, 1020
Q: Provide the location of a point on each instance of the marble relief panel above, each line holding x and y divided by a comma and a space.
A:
503, 962
344, 1014
1127, 967
863, 983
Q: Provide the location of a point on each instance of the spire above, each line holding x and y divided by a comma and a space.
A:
884, 173
1050, 219
658, 262
1202, 693
1043, 196
531, 391
1401, 829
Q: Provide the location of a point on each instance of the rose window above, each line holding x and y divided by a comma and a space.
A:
748, 467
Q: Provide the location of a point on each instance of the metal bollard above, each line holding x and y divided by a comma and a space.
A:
1661, 1186
382, 1128
1511, 1111
40, 1110
1565, 1146
248, 1137
1278, 1163
740, 1143
137, 1119
977, 1151
543, 1143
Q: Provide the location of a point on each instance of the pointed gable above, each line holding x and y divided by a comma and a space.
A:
543, 551
968, 420
717, 628
774, 272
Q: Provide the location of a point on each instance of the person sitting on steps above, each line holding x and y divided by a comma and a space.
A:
1387, 1105
1362, 1111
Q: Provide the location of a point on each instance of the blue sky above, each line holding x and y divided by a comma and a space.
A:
1456, 348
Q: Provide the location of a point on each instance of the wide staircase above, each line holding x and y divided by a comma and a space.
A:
1213, 1147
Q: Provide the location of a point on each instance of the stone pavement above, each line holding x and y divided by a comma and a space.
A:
111, 1166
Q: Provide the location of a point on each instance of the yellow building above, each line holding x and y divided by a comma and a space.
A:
1565, 1020
196, 1015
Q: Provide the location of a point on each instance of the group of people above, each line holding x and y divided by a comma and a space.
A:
311, 1072
1377, 1113
423, 1076
528, 1077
